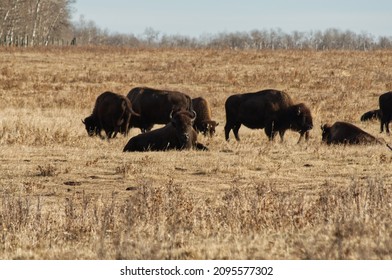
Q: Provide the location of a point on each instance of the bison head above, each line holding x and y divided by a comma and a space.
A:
91, 125
302, 120
326, 130
208, 127
182, 121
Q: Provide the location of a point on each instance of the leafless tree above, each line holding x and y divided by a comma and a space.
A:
39, 22
35, 20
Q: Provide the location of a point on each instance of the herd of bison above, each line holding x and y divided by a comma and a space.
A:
183, 118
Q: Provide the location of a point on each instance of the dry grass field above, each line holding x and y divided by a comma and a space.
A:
64, 195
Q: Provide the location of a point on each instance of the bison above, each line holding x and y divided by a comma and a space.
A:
346, 133
371, 115
112, 113
154, 106
203, 122
270, 109
385, 103
177, 134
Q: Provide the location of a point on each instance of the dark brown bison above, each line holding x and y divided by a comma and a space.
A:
385, 103
270, 109
154, 106
203, 122
178, 134
346, 133
112, 113
371, 115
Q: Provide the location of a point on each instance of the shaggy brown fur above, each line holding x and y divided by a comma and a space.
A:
178, 134
155, 106
270, 109
203, 122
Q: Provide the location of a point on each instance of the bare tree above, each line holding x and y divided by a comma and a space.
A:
39, 22
151, 35
34, 19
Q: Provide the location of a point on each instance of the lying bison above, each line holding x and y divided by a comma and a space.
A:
346, 133
385, 103
178, 134
112, 113
203, 122
270, 109
371, 115
154, 106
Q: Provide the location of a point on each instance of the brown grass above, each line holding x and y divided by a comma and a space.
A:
67, 196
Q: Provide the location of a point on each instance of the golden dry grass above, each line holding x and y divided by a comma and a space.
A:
67, 196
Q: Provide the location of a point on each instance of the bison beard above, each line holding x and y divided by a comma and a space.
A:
178, 134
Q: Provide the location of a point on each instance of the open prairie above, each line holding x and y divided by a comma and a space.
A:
64, 195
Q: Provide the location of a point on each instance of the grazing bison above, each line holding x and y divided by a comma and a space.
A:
154, 106
346, 133
270, 109
178, 134
203, 122
112, 113
385, 103
371, 115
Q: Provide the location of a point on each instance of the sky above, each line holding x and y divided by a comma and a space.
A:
196, 18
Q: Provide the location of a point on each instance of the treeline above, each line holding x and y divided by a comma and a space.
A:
34, 22
273, 39
48, 22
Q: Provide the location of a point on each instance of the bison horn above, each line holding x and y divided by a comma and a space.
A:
324, 126
194, 115
171, 114
83, 122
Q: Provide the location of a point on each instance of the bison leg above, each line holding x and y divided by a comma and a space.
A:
302, 134
281, 134
385, 123
100, 134
227, 131
108, 134
111, 132
270, 132
235, 131
124, 127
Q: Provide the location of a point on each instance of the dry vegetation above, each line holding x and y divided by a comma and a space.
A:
64, 195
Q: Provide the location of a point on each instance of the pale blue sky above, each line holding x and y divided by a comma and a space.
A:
198, 17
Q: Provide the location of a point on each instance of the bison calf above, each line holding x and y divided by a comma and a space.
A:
270, 109
346, 133
203, 122
178, 134
112, 113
